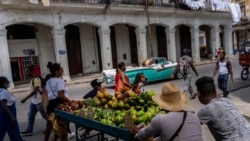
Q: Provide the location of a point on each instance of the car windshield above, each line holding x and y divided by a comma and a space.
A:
154, 60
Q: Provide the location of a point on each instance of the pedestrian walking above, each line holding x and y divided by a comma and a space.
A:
184, 65
223, 118
57, 95
8, 120
224, 69
36, 105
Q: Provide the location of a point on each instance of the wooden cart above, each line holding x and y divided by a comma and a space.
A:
117, 133
244, 59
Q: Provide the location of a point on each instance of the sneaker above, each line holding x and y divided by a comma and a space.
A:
71, 135
26, 133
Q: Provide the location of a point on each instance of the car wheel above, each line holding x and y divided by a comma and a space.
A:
244, 74
178, 75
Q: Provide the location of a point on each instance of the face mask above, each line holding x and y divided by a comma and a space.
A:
7, 86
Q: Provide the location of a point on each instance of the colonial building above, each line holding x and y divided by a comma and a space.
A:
242, 28
88, 36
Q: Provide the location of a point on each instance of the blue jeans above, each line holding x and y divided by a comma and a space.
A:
34, 108
222, 83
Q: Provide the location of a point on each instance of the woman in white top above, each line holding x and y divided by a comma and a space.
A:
56, 93
8, 121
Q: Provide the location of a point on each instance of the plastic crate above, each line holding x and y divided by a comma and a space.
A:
106, 129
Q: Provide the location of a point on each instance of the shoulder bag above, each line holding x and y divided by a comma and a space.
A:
180, 127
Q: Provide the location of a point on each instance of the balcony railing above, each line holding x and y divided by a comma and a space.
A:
72, 3
156, 3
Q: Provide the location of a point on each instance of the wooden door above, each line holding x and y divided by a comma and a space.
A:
74, 50
185, 38
113, 46
161, 41
133, 45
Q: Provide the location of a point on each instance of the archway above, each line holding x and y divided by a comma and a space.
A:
159, 41
205, 41
123, 44
185, 38
83, 49
29, 44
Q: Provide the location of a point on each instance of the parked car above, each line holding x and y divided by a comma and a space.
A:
154, 69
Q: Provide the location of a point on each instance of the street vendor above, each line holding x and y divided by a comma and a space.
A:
97, 86
177, 124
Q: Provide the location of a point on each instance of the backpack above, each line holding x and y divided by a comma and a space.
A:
183, 65
43, 82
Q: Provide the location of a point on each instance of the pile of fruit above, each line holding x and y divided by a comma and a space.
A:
112, 110
71, 106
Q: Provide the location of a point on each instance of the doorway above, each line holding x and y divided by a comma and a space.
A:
74, 50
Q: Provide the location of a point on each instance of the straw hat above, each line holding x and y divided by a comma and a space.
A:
171, 98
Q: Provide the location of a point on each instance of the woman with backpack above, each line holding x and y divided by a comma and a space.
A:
36, 104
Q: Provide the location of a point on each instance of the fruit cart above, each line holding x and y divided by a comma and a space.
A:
79, 121
244, 59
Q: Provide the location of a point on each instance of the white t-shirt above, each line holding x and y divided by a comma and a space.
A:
37, 98
4, 94
223, 68
142, 86
54, 85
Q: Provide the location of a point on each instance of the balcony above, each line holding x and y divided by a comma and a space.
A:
159, 7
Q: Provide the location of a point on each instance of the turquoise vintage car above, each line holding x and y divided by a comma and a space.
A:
154, 69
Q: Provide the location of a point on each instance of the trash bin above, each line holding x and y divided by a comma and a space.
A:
234, 51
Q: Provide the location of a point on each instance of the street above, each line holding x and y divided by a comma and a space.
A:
76, 91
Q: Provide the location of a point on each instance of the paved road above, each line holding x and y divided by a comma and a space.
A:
78, 90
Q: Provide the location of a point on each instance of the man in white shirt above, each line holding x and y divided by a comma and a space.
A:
36, 101
224, 69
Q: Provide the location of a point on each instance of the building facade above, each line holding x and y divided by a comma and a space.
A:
241, 30
91, 36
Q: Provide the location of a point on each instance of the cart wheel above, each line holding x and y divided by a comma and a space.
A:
178, 75
244, 74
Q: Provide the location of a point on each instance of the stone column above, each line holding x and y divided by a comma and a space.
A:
106, 52
215, 39
141, 43
228, 41
61, 51
195, 44
171, 47
5, 68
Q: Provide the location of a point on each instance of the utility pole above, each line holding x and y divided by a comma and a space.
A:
149, 29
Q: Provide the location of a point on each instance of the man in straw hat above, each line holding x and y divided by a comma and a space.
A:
177, 124
220, 114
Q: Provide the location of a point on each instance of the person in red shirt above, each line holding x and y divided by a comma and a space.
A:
121, 80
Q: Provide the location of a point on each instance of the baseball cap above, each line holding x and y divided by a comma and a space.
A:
96, 82
185, 50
